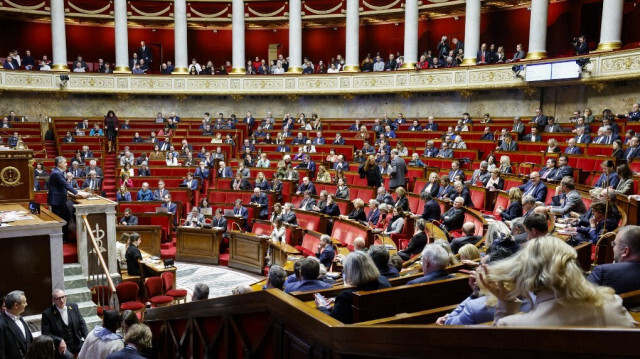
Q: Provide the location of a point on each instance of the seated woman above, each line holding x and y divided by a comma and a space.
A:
96, 130
123, 195
495, 182
396, 224
217, 139
342, 191
40, 171
127, 169
402, 202
358, 211
618, 150
491, 161
361, 274
278, 232
469, 252
433, 185
68, 138
548, 268
171, 160
515, 206
156, 154
125, 180
625, 185
552, 146
383, 220
262, 183
323, 175
332, 157
505, 165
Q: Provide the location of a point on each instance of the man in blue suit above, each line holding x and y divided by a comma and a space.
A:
325, 253
57, 196
534, 188
309, 272
241, 211
633, 151
249, 120
623, 275
431, 126
308, 164
262, 201
572, 149
190, 182
202, 171
374, 213
306, 186
224, 171
171, 208
609, 177
434, 264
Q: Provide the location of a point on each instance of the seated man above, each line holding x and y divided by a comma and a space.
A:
190, 182
380, 256
572, 149
145, 194
454, 217
306, 186
567, 199
194, 218
325, 252
535, 187
288, 216
597, 224
309, 271
262, 201
434, 264
469, 230
508, 144
307, 202
623, 275
128, 219
161, 192
92, 183
417, 242
171, 208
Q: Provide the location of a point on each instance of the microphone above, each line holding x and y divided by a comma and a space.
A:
239, 228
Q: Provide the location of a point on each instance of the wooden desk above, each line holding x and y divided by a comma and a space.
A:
247, 251
155, 268
200, 245
280, 253
150, 236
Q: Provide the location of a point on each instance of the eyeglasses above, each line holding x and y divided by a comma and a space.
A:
60, 298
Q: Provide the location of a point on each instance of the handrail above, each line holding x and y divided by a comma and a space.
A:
105, 269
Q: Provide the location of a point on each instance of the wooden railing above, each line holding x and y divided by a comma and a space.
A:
99, 278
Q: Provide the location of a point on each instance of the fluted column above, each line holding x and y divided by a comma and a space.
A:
180, 35
352, 51
611, 26
237, 37
538, 30
122, 37
58, 36
410, 34
295, 37
471, 32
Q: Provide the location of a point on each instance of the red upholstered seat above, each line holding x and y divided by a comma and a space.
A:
167, 285
477, 197
153, 287
260, 229
135, 306
127, 293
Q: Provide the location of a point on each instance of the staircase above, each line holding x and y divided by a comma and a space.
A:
75, 287
51, 148
109, 185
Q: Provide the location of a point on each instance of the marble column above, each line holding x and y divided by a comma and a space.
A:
352, 51
295, 37
237, 37
410, 34
471, 32
611, 26
58, 36
538, 30
122, 38
180, 35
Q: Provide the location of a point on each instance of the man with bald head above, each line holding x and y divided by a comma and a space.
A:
534, 188
623, 275
469, 230
64, 323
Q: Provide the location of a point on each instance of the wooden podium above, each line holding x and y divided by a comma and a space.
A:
16, 176
200, 245
247, 251
32, 256
101, 215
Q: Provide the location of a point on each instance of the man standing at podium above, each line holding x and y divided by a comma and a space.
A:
57, 195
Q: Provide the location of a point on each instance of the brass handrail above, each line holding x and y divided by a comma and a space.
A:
105, 269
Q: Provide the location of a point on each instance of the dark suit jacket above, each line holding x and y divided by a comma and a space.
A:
457, 243
465, 194
453, 218
132, 221
358, 215
331, 210
433, 276
487, 57
307, 204
551, 172
402, 203
528, 138
513, 211
145, 54
327, 256
539, 193
373, 216
585, 138
226, 172
513, 146
343, 307
96, 184
52, 325
58, 188
263, 201
431, 210
631, 153
622, 277
126, 353
416, 244
289, 218
562, 172
219, 222
12, 343
303, 187
573, 150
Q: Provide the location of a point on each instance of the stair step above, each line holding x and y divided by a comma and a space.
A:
87, 308
75, 281
92, 321
72, 269
76, 295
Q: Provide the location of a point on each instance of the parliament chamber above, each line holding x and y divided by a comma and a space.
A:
350, 178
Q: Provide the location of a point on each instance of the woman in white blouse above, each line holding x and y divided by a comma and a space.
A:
171, 159
279, 231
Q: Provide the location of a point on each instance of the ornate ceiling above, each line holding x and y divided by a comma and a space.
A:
258, 13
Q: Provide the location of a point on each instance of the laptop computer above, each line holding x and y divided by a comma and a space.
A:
206, 211
228, 212
161, 210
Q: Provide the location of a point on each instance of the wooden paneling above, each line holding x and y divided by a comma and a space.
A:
198, 245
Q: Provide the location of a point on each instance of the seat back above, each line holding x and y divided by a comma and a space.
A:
167, 281
477, 196
153, 286
127, 292
261, 228
501, 201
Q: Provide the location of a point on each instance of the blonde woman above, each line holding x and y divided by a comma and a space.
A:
323, 175
548, 268
469, 252
515, 205
217, 139
505, 165
552, 146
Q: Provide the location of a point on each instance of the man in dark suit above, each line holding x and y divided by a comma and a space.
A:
456, 171
306, 186
325, 253
218, 220
307, 273
64, 323
417, 242
241, 211
508, 144
260, 199
552, 126
534, 136
288, 216
57, 196
581, 46
128, 219
430, 150
487, 135
534, 187
380, 256
383, 196
633, 151
171, 208
581, 137
307, 202
15, 336
563, 169
374, 213
539, 119
548, 171
469, 230
623, 275
161, 192
249, 120
190, 182
569, 200
431, 126
92, 183
144, 53
484, 55
454, 217
224, 171
434, 263
572, 149
609, 177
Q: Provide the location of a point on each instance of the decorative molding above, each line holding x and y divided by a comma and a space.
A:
379, 8
150, 14
208, 15
23, 7
259, 14
89, 12
607, 66
324, 12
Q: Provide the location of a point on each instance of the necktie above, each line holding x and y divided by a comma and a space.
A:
530, 190
546, 174
608, 140
482, 59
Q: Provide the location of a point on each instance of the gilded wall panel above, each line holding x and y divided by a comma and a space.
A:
207, 84
262, 84
28, 79
318, 83
431, 79
92, 82
151, 83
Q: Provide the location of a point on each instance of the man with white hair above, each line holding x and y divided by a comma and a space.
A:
306, 186
601, 138
224, 171
572, 149
145, 194
434, 264
127, 157
458, 143
93, 167
383, 196
341, 164
454, 217
480, 175
91, 183
262, 201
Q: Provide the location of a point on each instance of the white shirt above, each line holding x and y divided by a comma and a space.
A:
64, 314
16, 319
